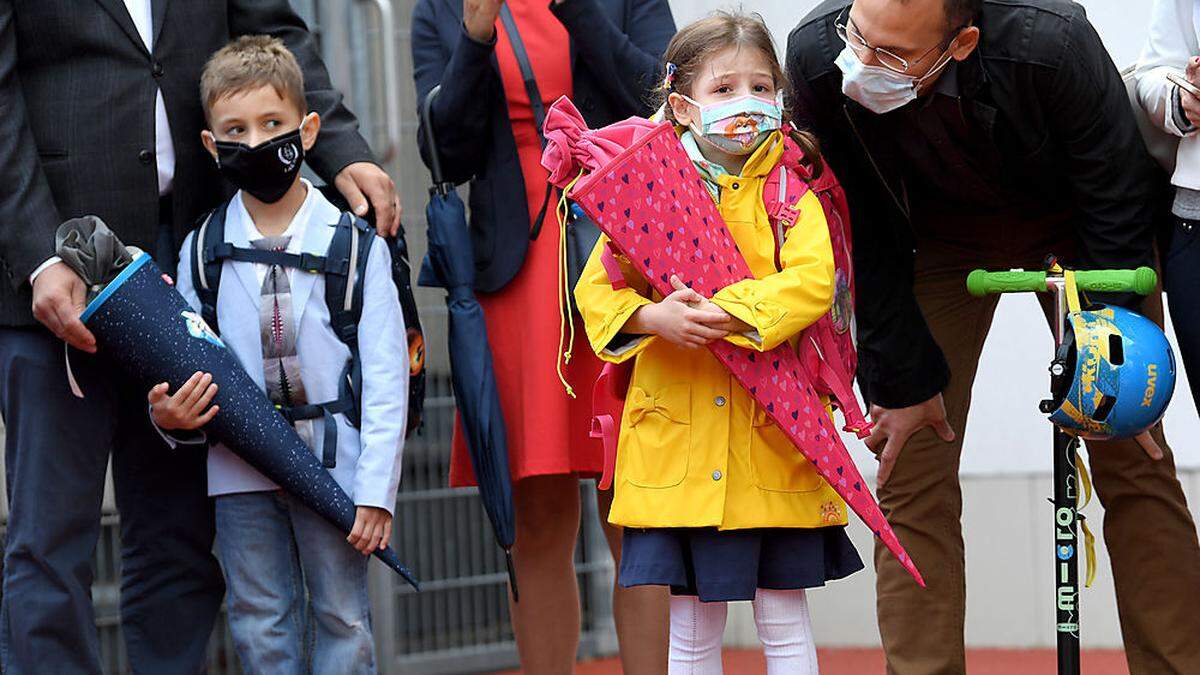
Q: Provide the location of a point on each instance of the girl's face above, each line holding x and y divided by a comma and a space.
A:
731, 73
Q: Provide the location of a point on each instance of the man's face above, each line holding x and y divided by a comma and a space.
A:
916, 31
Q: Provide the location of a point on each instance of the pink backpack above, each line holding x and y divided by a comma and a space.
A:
826, 348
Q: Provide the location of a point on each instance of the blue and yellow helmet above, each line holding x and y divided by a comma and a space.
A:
1113, 376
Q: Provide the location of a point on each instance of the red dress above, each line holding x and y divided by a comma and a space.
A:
547, 430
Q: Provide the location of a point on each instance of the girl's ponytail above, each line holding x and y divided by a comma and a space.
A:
811, 147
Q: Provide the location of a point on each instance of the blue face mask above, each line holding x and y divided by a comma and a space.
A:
737, 126
879, 89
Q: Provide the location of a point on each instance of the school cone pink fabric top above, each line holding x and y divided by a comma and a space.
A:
652, 203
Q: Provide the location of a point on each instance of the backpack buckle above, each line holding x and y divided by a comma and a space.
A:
311, 263
786, 214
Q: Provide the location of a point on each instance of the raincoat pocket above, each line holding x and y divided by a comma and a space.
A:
775, 464
660, 436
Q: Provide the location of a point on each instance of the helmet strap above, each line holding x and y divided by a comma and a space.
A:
1072, 291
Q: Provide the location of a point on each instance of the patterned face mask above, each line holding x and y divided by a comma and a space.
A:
737, 126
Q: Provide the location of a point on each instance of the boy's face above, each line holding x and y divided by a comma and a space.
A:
256, 116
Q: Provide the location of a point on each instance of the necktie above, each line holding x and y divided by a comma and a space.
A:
281, 366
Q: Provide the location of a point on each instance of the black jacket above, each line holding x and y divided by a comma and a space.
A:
77, 93
1047, 92
616, 49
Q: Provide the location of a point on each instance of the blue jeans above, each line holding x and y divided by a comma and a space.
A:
1181, 278
273, 549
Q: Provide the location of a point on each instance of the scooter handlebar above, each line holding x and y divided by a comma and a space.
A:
1142, 281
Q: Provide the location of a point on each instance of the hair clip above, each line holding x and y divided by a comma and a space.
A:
669, 80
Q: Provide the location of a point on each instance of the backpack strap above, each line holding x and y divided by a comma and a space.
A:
781, 198
206, 266
348, 252
344, 266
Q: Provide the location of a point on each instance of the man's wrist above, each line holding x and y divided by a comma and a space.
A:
52, 260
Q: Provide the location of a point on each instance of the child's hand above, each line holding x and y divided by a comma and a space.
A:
372, 529
677, 320
184, 410
729, 323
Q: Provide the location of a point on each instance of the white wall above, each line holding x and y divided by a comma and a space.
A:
1006, 433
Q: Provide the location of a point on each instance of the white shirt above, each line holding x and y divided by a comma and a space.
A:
239, 217
164, 148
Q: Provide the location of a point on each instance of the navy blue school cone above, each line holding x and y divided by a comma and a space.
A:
149, 332
450, 264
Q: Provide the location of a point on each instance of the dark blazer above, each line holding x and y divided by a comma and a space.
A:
616, 49
1045, 89
77, 93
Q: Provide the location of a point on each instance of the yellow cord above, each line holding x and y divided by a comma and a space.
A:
566, 323
1089, 540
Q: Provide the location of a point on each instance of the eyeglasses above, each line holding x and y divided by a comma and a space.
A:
888, 59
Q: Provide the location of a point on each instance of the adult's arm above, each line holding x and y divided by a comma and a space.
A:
899, 363
339, 144
1111, 176
28, 215
1172, 42
461, 113
629, 64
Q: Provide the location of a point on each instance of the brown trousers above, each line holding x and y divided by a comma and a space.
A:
1149, 532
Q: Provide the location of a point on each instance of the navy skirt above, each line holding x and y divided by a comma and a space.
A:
722, 565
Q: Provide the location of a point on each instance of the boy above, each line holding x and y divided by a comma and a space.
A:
275, 319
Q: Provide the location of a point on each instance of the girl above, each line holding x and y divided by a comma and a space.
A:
716, 502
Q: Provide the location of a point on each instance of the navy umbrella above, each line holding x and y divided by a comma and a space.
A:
450, 264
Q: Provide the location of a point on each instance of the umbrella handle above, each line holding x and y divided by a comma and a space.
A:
512, 574
435, 161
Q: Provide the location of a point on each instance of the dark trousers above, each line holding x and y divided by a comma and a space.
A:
57, 449
1181, 278
1148, 530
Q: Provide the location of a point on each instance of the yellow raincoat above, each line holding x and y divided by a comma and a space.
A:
695, 450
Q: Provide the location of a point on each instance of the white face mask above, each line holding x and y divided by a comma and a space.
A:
879, 89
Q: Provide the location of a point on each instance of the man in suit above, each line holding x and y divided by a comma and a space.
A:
100, 113
985, 133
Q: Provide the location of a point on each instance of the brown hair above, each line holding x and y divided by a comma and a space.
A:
698, 41
250, 62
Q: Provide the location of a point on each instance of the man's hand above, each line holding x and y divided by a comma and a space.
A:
58, 300
186, 409
893, 428
361, 182
479, 18
1191, 104
372, 529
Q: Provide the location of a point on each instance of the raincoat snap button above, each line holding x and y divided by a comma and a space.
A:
720, 401
717, 474
735, 186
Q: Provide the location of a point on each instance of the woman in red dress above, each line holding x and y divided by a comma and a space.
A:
604, 54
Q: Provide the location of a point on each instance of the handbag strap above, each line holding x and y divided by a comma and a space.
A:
535, 100
531, 87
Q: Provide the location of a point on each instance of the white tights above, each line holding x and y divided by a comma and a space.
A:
784, 628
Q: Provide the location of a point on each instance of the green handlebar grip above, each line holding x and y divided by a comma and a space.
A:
981, 283
1141, 281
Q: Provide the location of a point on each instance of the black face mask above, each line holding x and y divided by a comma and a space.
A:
267, 170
